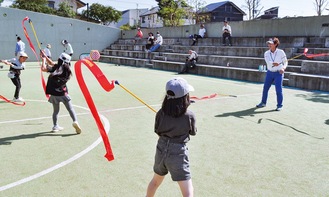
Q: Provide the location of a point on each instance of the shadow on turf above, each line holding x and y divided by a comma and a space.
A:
252, 111
8, 140
315, 97
248, 112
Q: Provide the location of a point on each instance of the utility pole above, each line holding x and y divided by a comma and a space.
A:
137, 13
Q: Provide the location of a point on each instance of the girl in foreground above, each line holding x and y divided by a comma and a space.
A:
174, 124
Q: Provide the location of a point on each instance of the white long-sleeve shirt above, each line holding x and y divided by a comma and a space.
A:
68, 48
159, 40
16, 64
228, 28
278, 56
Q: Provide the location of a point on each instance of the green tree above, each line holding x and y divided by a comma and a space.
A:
33, 5
1, 2
65, 10
102, 13
125, 27
172, 12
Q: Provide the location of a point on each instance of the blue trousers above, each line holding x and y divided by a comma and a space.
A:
154, 48
278, 79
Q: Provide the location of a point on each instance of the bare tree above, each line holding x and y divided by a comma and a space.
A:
194, 12
320, 6
253, 7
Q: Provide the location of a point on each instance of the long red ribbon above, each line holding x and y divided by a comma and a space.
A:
107, 86
204, 97
43, 82
316, 55
9, 101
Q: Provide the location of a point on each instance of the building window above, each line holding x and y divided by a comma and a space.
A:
143, 19
228, 8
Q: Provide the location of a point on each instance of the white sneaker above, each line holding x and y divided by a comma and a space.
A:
77, 127
20, 99
57, 128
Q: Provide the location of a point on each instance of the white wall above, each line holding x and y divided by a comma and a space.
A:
83, 36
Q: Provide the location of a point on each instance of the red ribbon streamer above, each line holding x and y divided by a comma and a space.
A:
107, 86
9, 101
316, 55
204, 97
43, 82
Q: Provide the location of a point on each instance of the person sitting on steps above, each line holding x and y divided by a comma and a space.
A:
150, 41
190, 63
202, 34
227, 33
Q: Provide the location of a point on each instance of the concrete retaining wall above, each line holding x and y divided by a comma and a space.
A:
83, 36
315, 67
314, 26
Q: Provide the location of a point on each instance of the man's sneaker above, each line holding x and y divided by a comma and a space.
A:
77, 127
278, 109
57, 128
260, 105
20, 99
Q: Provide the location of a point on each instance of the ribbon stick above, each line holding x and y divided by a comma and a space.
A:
43, 82
134, 95
12, 102
107, 86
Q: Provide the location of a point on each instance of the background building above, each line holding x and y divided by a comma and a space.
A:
218, 12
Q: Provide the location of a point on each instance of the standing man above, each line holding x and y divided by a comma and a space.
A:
68, 48
16, 65
277, 62
227, 33
47, 51
20, 46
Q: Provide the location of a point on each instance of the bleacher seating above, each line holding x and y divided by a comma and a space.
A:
239, 61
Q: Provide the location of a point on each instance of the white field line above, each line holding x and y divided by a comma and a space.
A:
62, 164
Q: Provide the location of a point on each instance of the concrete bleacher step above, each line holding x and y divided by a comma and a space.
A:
157, 57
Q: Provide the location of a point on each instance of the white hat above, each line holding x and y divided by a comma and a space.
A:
270, 41
64, 42
48, 46
22, 54
179, 87
65, 57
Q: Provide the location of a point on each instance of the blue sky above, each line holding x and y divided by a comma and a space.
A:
286, 7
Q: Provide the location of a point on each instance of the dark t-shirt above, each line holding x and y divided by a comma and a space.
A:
56, 84
178, 129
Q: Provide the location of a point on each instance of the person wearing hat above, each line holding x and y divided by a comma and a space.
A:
276, 61
139, 35
16, 65
68, 47
60, 74
47, 51
190, 62
227, 33
174, 124
20, 46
